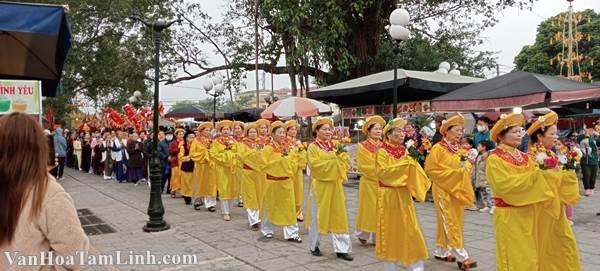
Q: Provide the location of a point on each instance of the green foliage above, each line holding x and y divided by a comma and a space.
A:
111, 56
537, 57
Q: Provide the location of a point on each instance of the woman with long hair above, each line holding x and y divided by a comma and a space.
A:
329, 167
557, 235
251, 179
37, 216
452, 191
400, 180
366, 218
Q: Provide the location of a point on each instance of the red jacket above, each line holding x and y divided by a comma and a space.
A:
173, 153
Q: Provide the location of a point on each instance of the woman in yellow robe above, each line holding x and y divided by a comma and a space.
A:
278, 206
251, 179
186, 167
450, 175
296, 145
328, 170
521, 195
263, 132
222, 151
238, 136
204, 169
558, 247
366, 222
401, 178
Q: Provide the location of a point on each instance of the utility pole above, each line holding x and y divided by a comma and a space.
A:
497, 69
256, 51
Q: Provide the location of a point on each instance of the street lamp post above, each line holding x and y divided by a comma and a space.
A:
155, 207
214, 88
397, 30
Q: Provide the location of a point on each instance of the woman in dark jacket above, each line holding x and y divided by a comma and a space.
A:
86, 153
69, 161
136, 161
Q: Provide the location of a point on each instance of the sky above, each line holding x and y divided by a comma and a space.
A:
515, 29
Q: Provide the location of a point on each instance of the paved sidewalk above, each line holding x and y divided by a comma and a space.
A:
221, 245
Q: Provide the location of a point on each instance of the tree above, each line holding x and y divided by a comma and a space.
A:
110, 56
541, 56
334, 41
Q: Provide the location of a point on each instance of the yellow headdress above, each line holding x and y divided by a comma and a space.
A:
275, 125
238, 123
292, 123
178, 130
249, 126
320, 121
262, 122
543, 122
204, 125
456, 120
224, 123
393, 124
505, 122
370, 121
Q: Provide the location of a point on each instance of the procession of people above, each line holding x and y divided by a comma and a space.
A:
262, 166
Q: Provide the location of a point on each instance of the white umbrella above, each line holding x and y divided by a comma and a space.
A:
295, 107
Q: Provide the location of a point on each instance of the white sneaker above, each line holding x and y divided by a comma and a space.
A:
484, 209
492, 210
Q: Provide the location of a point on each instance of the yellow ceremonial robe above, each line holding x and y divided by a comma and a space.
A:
367, 191
558, 247
187, 178
278, 198
399, 237
517, 228
225, 165
251, 180
301, 160
452, 192
328, 171
204, 170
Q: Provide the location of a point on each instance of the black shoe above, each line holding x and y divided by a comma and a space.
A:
188, 200
240, 204
316, 252
212, 209
345, 256
296, 239
197, 205
254, 227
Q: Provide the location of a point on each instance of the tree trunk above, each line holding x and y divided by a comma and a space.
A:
288, 49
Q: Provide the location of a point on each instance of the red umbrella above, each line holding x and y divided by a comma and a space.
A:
295, 107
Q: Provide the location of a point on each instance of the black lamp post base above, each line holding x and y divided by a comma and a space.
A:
156, 226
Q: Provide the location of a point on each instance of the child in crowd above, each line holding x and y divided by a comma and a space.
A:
482, 187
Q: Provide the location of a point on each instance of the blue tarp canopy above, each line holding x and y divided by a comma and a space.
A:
34, 42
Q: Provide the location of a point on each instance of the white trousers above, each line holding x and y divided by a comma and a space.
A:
209, 201
253, 216
226, 206
289, 231
461, 254
341, 241
369, 236
392, 266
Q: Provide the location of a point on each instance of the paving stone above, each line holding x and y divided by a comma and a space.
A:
221, 245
